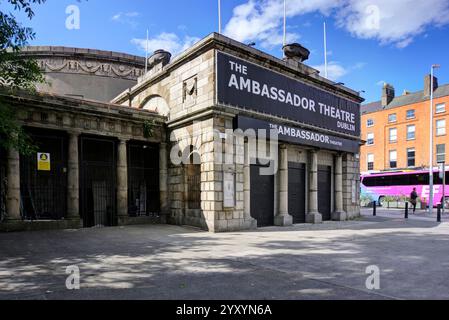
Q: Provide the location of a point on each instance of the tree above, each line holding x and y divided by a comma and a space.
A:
16, 72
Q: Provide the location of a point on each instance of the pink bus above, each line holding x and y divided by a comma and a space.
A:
380, 185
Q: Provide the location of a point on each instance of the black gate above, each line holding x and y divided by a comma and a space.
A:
262, 197
98, 182
44, 189
143, 180
297, 192
325, 192
2, 183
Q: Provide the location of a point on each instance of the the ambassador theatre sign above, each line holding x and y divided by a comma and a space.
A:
243, 84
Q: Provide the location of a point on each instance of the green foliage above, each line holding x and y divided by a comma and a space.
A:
148, 128
16, 72
11, 133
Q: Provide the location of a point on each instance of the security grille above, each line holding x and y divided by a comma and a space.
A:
143, 180
98, 182
193, 172
2, 184
44, 192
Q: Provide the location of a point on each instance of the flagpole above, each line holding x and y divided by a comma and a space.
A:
325, 51
146, 53
219, 16
285, 23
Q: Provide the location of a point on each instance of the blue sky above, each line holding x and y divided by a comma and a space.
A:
369, 41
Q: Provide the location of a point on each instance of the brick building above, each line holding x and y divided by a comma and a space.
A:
397, 128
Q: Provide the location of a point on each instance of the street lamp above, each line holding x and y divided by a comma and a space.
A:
434, 66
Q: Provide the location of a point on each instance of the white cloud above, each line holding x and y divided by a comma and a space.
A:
261, 21
395, 22
127, 18
335, 71
167, 41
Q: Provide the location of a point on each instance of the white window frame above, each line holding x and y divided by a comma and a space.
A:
390, 136
441, 154
391, 160
368, 139
395, 118
370, 155
407, 116
409, 150
414, 132
440, 130
439, 105
368, 125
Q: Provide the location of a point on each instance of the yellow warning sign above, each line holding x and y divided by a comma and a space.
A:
43, 162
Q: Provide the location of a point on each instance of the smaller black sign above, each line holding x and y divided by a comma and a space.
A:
300, 136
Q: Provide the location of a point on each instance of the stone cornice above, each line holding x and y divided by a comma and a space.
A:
86, 61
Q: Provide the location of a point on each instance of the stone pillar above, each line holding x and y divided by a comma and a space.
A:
13, 186
122, 182
250, 221
313, 216
73, 209
339, 214
163, 178
283, 218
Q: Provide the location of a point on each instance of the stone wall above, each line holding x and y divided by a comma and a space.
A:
351, 178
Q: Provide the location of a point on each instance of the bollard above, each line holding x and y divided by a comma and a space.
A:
374, 208
406, 210
439, 213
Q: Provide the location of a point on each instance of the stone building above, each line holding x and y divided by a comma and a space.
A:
185, 145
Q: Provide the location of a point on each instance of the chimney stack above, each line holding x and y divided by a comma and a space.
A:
427, 84
388, 94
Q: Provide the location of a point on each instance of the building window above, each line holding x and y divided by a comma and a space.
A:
410, 114
370, 161
411, 132
392, 118
411, 154
370, 123
441, 153
370, 139
441, 127
393, 159
393, 135
440, 108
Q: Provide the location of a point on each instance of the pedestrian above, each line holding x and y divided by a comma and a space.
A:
413, 199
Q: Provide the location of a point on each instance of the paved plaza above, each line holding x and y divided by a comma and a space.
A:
327, 261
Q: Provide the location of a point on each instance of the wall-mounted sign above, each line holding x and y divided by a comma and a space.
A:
299, 136
247, 85
43, 162
229, 189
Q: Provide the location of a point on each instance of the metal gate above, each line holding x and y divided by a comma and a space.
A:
297, 192
2, 183
143, 180
44, 190
98, 182
325, 192
262, 197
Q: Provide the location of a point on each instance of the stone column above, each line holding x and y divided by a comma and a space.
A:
283, 218
250, 221
163, 178
13, 186
313, 216
122, 182
339, 214
73, 209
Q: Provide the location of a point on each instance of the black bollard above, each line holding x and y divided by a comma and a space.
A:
439, 213
406, 210
374, 208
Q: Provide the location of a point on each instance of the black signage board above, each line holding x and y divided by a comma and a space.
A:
298, 135
247, 85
